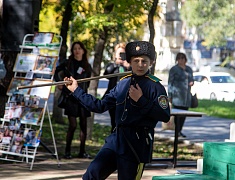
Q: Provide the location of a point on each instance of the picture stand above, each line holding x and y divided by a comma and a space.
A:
31, 154
22, 125
29, 149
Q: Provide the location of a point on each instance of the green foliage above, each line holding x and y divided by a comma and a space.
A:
91, 17
216, 108
213, 19
163, 148
98, 135
100, 132
47, 18
98, 22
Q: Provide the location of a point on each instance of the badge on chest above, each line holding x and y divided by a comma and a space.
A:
80, 70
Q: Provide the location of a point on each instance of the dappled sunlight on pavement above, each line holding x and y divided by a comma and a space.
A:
68, 170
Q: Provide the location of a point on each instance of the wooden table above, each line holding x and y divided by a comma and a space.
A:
177, 113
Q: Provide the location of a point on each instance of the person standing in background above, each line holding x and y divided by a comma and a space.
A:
118, 66
77, 66
180, 81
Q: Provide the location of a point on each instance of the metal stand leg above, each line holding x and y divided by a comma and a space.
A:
53, 138
34, 154
175, 142
49, 150
26, 149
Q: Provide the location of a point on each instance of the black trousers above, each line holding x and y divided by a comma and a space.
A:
182, 119
112, 112
107, 161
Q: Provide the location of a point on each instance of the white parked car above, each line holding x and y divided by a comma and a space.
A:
102, 87
214, 85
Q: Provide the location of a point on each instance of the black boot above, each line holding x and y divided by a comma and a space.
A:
182, 135
67, 155
84, 155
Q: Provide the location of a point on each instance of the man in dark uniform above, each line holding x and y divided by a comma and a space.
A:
141, 101
118, 66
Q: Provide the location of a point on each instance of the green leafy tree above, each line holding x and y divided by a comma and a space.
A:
48, 16
105, 19
100, 25
214, 19
151, 15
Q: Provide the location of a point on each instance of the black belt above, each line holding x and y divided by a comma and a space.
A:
133, 127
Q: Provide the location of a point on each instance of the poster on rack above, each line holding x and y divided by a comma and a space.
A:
45, 64
17, 144
31, 115
16, 82
17, 98
6, 136
43, 92
32, 101
33, 138
25, 62
13, 112
42, 38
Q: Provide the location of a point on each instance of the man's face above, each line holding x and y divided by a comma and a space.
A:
118, 59
140, 64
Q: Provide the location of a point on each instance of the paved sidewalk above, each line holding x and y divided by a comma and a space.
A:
198, 129
201, 129
48, 169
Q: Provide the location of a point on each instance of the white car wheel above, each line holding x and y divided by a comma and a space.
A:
213, 96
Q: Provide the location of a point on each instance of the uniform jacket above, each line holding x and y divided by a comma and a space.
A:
135, 121
178, 85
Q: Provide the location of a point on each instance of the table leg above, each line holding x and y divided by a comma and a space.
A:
175, 142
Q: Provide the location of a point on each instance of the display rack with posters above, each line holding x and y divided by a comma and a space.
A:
22, 124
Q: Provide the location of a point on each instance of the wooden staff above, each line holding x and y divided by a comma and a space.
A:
79, 80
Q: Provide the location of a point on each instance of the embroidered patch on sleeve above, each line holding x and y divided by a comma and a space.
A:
163, 101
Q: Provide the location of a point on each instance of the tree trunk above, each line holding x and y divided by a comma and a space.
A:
152, 29
57, 112
9, 58
99, 48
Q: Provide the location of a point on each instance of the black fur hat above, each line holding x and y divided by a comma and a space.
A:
138, 48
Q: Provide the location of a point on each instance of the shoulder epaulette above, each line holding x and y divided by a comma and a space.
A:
153, 78
125, 76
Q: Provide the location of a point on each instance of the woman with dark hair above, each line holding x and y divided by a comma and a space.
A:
78, 66
179, 87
